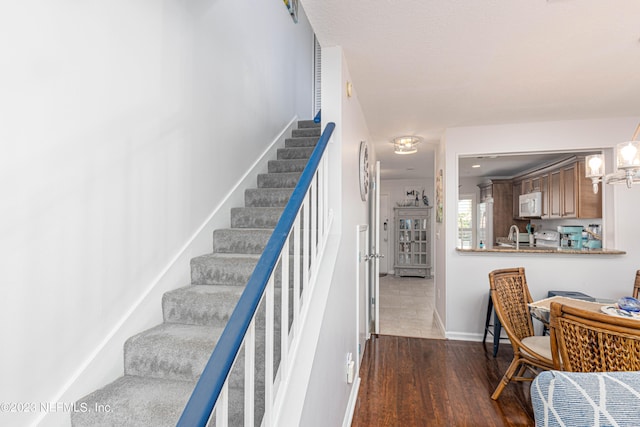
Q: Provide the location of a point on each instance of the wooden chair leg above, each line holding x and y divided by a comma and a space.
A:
515, 364
523, 369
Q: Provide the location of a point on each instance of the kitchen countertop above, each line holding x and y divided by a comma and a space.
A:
543, 250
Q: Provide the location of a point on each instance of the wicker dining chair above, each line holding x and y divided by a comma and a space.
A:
636, 285
589, 341
531, 353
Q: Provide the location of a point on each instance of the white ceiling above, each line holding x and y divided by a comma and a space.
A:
509, 165
421, 66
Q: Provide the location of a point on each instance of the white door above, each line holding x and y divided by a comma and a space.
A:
375, 255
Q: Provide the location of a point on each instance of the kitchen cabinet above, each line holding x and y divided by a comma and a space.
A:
568, 178
589, 205
529, 185
577, 199
412, 241
555, 200
566, 193
518, 189
543, 182
535, 184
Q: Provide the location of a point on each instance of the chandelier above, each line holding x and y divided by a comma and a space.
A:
406, 144
627, 165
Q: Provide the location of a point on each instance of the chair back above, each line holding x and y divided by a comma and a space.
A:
588, 341
636, 285
510, 295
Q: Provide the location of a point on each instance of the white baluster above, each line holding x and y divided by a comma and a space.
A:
268, 360
296, 273
314, 221
321, 190
249, 373
305, 246
325, 166
284, 316
222, 406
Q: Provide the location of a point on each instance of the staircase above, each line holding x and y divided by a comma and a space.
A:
162, 364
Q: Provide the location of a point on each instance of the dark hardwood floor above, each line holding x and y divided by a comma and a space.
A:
423, 382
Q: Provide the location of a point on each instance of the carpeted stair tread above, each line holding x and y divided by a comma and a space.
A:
309, 141
267, 197
305, 132
278, 180
255, 217
308, 124
241, 240
294, 153
201, 304
284, 166
205, 305
222, 269
134, 402
170, 351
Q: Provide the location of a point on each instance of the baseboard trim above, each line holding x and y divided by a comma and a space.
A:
464, 336
351, 405
108, 353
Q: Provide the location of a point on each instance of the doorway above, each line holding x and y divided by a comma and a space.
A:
407, 304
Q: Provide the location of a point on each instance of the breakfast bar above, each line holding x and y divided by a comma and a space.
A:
542, 250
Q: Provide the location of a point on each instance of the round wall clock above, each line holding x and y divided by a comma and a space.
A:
364, 170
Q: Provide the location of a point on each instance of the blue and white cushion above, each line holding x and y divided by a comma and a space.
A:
576, 399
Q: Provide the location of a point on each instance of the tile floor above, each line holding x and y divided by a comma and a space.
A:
407, 307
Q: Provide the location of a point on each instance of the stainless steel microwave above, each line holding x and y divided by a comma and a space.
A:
530, 204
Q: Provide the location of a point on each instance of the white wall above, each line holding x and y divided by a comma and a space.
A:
467, 283
328, 392
396, 189
124, 124
440, 234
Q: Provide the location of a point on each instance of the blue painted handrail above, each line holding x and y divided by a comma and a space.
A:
318, 117
204, 396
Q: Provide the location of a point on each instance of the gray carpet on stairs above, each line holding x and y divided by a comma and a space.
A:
163, 363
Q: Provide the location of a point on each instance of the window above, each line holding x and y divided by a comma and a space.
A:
465, 221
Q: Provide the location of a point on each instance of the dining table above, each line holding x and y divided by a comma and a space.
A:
541, 309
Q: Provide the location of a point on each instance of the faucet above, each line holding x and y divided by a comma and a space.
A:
514, 234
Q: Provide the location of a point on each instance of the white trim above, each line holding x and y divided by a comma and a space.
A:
463, 336
440, 324
351, 405
175, 268
367, 307
376, 264
303, 350
316, 76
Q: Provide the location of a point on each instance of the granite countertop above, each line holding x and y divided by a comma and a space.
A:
543, 250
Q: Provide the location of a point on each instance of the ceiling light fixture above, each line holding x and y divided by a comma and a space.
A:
628, 165
475, 166
406, 144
